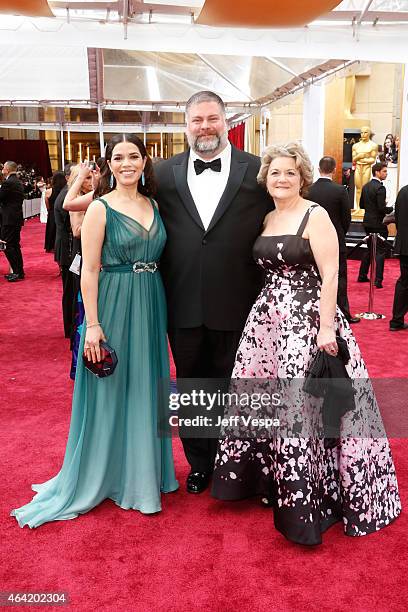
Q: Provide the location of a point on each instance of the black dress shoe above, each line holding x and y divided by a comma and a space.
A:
363, 279
12, 278
398, 327
378, 284
197, 482
354, 320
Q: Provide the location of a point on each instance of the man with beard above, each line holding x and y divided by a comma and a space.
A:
213, 211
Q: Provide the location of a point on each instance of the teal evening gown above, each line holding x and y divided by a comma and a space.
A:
114, 450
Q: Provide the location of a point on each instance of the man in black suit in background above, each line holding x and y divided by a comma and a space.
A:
373, 202
11, 204
335, 200
213, 210
400, 306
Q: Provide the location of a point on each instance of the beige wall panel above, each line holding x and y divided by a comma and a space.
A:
375, 99
15, 134
178, 143
382, 83
296, 128
278, 129
380, 107
286, 120
398, 92
13, 114
334, 121
362, 91
361, 108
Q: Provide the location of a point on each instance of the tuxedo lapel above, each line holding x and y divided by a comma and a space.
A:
180, 178
236, 176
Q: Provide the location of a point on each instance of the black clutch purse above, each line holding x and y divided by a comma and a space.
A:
106, 366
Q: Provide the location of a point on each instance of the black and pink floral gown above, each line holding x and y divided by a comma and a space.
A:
310, 486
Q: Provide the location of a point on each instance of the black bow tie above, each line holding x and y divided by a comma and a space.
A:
200, 165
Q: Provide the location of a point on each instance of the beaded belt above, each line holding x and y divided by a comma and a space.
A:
302, 283
137, 267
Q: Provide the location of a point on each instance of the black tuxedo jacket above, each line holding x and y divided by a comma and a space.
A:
401, 221
210, 276
63, 240
372, 200
335, 200
11, 201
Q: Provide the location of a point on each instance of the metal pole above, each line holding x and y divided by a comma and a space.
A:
373, 253
62, 148
261, 134
69, 156
100, 125
370, 314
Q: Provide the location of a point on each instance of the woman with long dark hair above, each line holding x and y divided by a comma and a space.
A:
57, 183
114, 450
389, 151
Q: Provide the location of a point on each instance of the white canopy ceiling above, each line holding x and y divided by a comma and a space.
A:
355, 29
36, 72
156, 53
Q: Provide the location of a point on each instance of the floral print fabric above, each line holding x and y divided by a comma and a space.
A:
310, 486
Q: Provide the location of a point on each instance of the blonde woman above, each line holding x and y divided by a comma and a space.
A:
310, 481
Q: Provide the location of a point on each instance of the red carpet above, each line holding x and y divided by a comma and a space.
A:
199, 553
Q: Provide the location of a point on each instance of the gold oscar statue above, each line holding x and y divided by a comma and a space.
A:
364, 154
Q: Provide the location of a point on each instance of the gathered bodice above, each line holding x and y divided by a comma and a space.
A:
287, 258
127, 241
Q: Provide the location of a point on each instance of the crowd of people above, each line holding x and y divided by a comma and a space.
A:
390, 150
241, 263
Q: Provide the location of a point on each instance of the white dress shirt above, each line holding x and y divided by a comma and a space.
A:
208, 187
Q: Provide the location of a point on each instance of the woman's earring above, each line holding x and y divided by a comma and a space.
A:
143, 179
111, 181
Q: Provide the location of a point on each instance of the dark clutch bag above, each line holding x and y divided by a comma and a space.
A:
316, 378
106, 366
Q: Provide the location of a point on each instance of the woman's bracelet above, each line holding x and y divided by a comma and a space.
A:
97, 324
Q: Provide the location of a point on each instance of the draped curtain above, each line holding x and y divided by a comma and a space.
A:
236, 136
33, 153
